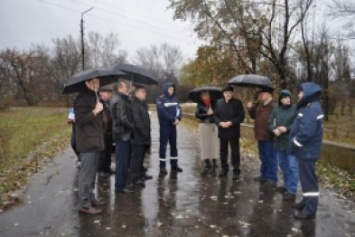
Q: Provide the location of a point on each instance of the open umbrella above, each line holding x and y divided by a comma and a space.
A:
215, 93
251, 80
137, 74
106, 76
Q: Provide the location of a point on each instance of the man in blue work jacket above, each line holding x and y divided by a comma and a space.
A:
169, 114
306, 141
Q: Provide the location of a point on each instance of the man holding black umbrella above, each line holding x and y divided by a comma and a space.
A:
90, 141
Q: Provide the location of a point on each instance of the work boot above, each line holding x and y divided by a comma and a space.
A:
281, 189
289, 197
176, 168
163, 171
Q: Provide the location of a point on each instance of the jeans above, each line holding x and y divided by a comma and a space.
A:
122, 163
289, 167
268, 167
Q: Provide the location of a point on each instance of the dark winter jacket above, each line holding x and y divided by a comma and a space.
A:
232, 111
307, 130
141, 132
107, 118
260, 113
88, 127
168, 107
201, 112
122, 117
282, 116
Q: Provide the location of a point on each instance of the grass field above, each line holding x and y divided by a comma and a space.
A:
40, 132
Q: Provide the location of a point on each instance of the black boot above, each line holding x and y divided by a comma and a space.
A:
235, 175
223, 173
207, 167
214, 164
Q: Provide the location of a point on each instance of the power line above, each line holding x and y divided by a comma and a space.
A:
127, 17
134, 13
128, 26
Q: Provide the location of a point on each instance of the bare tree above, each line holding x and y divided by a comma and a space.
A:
164, 61
22, 69
344, 10
104, 51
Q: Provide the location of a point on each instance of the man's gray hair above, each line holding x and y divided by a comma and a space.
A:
121, 83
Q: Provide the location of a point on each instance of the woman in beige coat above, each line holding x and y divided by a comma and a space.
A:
208, 131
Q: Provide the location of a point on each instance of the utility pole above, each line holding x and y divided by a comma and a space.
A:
82, 37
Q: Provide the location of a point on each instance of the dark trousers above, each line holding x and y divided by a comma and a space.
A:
105, 155
73, 142
268, 166
309, 184
168, 134
122, 162
137, 159
235, 158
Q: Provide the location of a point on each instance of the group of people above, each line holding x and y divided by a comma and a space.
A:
288, 136
101, 117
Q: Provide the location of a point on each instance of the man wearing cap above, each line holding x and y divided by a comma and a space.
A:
260, 112
141, 140
228, 115
105, 156
306, 142
90, 142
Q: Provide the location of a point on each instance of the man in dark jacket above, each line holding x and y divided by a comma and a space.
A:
121, 132
280, 122
306, 141
260, 112
105, 156
141, 135
169, 114
89, 141
228, 115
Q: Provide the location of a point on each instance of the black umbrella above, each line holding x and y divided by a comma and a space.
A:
251, 80
137, 74
215, 93
106, 76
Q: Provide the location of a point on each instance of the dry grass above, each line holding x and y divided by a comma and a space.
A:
40, 132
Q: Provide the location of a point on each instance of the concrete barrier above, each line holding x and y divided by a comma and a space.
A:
339, 154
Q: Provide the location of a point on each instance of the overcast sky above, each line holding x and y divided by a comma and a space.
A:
139, 23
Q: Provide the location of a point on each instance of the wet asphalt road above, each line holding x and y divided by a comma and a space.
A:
184, 204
